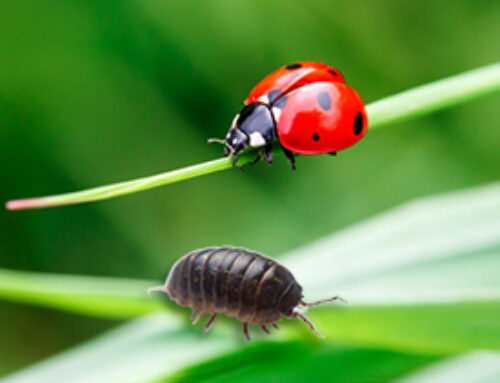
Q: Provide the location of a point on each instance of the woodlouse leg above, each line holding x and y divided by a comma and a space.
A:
320, 302
209, 323
245, 331
275, 325
195, 317
308, 322
264, 328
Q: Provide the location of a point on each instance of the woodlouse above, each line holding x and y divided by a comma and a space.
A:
239, 283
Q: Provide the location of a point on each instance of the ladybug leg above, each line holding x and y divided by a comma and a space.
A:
289, 155
268, 154
333, 153
235, 159
275, 325
265, 329
255, 161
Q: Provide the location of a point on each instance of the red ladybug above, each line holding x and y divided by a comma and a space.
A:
306, 105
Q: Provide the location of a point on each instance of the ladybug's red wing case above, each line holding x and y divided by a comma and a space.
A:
290, 77
322, 117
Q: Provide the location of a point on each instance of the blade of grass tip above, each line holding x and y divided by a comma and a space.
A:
412, 103
122, 188
434, 96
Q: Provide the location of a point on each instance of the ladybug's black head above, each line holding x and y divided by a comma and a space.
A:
236, 141
254, 126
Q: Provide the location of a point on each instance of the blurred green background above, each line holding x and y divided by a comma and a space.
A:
93, 92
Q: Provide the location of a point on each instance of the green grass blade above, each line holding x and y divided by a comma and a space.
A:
103, 297
412, 103
431, 97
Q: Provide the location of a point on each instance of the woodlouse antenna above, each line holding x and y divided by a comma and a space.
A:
320, 302
308, 322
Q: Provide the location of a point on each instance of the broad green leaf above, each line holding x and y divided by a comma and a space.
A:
135, 352
104, 297
298, 361
154, 348
474, 367
435, 250
421, 278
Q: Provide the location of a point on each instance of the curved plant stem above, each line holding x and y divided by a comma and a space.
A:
409, 104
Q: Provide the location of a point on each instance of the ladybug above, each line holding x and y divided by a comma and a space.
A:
307, 106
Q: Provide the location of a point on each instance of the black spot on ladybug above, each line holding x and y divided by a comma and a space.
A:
272, 95
324, 100
293, 66
358, 124
315, 137
280, 102
333, 72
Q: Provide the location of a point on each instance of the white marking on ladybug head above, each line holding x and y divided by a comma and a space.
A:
257, 140
276, 113
235, 119
264, 99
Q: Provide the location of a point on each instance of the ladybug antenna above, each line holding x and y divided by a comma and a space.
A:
218, 140
232, 151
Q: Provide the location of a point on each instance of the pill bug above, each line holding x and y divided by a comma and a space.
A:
239, 283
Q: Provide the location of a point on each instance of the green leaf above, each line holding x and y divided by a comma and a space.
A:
104, 297
157, 348
298, 361
422, 278
474, 367
412, 103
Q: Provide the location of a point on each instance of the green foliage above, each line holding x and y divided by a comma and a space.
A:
446, 314
111, 298
95, 92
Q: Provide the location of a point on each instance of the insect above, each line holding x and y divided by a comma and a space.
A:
239, 283
307, 106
